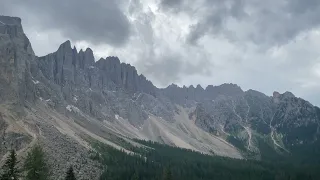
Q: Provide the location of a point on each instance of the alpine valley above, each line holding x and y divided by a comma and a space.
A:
73, 105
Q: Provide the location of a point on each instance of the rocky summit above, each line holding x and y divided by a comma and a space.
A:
68, 99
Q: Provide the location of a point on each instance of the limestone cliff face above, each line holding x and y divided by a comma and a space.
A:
70, 83
76, 78
124, 76
16, 60
22, 85
187, 95
69, 68
284, 122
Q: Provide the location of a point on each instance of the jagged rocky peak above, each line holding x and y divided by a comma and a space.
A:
70, 56
65, 45
110, 63
16, 59
197, 94
124, 75
89, 58
67, 67
14, 42
288, 94
174, 86
10, 25
10, 20
276, 94
277, 97
255, 95
113, 58
199, 87
228, 89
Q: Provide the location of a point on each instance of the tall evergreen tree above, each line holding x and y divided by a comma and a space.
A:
10, 170
35, 165
167, 175
70, 174
135, 176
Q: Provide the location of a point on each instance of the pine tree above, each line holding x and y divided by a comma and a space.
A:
10, 171
35, 165
167, 175
70, 174
135, 176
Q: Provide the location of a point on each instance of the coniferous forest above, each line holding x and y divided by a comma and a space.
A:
34, 167
161, 162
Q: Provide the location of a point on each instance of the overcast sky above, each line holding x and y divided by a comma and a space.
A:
268, 46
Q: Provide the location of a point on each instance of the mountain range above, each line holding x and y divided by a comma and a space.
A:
67, 99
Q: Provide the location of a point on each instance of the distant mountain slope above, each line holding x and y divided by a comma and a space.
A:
284, 122
66, 99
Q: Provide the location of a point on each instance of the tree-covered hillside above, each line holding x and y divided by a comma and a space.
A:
161, 162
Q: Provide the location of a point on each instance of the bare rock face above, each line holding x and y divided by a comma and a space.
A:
78, 76
87, 93
63, 152
67, 67
290, 122
15, 50
189, 95
11, 139
23, 82
123, 76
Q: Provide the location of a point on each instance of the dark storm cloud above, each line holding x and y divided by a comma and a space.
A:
95, 21
273, 22
278, 25
214, 24
228, 40
215, 18
172, 67
171, 3
158, 61
301, 6
167, 69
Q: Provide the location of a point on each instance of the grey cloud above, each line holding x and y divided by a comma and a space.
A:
271, 22
284, 23
197, 31
95, 21
301, 7
214, 24
173, 67
167, 68
214, 19
165, 58
158, 61
170, 3
143, 23
175, 6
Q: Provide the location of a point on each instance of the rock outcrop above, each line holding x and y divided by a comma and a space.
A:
187, 95
16, 55
67, 98
67, 67
22, 84
285, 122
